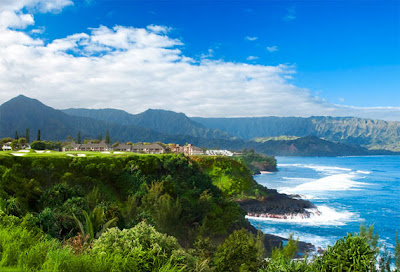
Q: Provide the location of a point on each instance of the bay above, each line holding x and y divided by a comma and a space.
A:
346, 190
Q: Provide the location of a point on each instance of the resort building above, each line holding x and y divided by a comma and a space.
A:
219, 153
148, 148
123, 148
190, 150
6, 146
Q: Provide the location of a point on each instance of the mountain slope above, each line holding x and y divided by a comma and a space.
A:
310, 146
22, 112
167, 122
373, 134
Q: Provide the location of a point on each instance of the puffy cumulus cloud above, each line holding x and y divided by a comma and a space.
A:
139, 68
11, 15
34, 5
136, 69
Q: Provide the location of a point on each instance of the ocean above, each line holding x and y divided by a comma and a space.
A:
347, 190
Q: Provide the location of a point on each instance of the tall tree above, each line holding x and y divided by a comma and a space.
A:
108, 140
38, 135
79, 137
27, 135
16, 137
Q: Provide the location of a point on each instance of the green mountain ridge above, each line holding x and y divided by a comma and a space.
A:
22, 112
161, 121
372, 134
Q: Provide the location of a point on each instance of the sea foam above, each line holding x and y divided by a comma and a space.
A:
337, 182
322, 216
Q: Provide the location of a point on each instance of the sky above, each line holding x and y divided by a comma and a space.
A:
205, 58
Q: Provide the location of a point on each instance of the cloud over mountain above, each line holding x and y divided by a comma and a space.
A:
139, 68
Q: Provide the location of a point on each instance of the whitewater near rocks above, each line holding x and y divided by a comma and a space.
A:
346, 191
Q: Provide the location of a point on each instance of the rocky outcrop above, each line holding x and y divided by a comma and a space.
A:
279, 206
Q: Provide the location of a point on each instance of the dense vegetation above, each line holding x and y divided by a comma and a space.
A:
145, 213
257, 162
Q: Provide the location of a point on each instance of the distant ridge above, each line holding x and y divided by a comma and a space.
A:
372, 134
22, 112
161, 121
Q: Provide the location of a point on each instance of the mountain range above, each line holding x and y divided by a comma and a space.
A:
372, 134
316, 136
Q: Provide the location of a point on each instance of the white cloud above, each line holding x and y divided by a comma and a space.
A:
39, 30
273, 48
252, 58
290, 15
15, 20
11, 15
248, 38
139, 68
159, 29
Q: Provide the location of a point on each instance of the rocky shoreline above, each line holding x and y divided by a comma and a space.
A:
280, 206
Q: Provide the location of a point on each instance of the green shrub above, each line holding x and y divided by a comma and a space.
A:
241, 251
63, 260
146, 248
282, 259
33, 258
13, 241
351, 253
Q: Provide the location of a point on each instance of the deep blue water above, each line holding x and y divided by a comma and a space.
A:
347, 190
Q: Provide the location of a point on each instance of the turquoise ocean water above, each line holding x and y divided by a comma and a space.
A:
346, 190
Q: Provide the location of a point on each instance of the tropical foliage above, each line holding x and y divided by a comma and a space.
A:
147, 213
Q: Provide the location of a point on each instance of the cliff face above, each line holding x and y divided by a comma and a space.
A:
236, 181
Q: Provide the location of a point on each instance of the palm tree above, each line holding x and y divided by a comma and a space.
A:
95, 223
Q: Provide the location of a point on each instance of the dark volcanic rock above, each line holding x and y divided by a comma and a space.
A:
277, 206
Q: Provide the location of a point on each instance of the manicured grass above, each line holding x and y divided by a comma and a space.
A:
49, 153
10, 269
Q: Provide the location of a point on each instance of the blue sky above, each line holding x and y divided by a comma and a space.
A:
343, 57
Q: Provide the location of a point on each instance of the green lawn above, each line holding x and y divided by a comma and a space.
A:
32, 153
10, 269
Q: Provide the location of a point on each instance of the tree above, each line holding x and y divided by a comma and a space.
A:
397, 253
22, 142
79, 137
241, 251
38, 135
6, 140
27, 135
108, 140
14, 145
16, 137
38, 145
116, 144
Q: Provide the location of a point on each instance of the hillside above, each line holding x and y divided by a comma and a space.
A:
162, 121
372, 134
22, 112
311, 146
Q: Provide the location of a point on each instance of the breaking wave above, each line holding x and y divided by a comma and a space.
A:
322, 216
